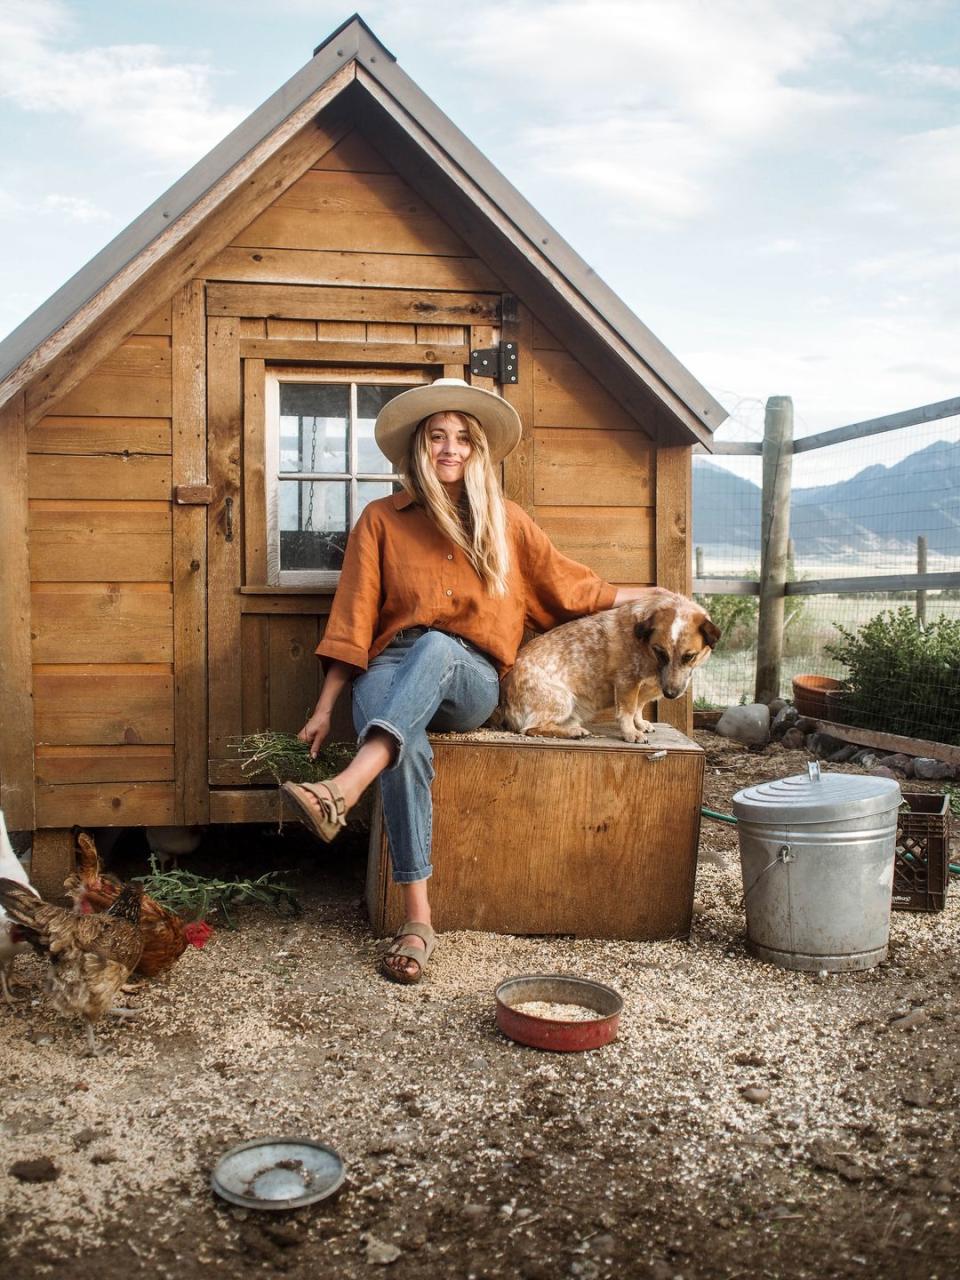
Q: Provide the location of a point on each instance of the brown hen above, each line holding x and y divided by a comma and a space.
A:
165, 935
91, 956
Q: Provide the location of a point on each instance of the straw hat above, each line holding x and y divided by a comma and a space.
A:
398, 419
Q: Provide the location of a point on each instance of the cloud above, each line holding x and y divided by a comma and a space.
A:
74, 208
134, 95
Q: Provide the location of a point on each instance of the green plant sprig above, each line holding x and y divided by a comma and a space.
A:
196, 897
286, 759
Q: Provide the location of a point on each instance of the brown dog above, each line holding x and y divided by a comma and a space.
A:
621, 658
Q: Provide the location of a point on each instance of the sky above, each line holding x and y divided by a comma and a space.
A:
772, 187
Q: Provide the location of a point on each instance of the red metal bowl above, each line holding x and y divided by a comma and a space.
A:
559, 1035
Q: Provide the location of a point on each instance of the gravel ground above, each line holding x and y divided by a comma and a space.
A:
748, 1122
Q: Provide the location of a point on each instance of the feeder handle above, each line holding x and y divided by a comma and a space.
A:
813, 769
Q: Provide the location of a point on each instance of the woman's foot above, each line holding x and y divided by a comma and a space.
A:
322, 806
407, 956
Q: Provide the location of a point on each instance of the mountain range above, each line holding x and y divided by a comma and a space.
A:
880, 509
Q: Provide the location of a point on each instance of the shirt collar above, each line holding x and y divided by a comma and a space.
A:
402, 500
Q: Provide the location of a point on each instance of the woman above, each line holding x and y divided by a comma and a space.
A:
438, 583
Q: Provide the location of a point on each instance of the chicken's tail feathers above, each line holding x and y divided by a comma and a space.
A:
19, 901
88, 860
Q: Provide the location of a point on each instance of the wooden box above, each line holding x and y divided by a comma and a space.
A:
596, 838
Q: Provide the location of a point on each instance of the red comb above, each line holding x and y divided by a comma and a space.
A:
198, 933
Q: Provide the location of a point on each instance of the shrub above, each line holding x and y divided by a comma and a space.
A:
903, 678
736, 616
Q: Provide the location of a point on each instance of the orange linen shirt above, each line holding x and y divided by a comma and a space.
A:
400, 571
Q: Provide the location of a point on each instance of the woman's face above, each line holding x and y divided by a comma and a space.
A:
450, 448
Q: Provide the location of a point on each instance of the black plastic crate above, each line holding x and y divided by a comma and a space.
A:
922, 867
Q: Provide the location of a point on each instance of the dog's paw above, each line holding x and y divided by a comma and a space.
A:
643, 726
630, 733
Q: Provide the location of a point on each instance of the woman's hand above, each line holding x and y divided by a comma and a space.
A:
315, 732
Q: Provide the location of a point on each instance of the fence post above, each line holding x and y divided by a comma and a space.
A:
921, 568
774, 538
698, 571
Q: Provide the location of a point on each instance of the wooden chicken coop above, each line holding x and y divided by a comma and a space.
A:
173, 516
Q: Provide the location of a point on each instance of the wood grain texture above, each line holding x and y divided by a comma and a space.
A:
482, 337
618, 543
254, 473
341, 267
398, 334
102, 622
567, 395
189, 468
674, 567
255, 672
593, 468
105, 764
378, 306
304, 330
518, 466
16, 688
355, 153
224, 545
316, 603
249, 804
402, 353
293, 671
105, 703
87, 541
52, 858
159, 322
113, 476
108, 804
55, 434
133, 381
568, 839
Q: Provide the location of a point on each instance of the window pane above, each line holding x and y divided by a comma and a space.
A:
313, 426
368, 490
370, 400
313, 523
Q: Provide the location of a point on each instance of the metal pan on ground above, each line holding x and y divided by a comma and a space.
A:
278, 1173
558, 1012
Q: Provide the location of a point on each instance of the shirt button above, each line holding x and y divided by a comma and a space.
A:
449, 593
450, 557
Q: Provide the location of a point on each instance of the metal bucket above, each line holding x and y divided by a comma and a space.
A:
817, 856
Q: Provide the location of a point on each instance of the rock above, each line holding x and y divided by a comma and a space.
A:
907, 1021
783, 720
865, 759
933, 770
942, 1187
844, 754
40, 1170
604, 1243
806, 725
917, 1094
822, 744
757, 1094
749, 725
104, 1157
903, 764
776, 705
475, 1211
380, 1252
881, 771
793, 739
839, 1162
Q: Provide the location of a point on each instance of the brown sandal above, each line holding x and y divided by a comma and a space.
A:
331, 818
418, 955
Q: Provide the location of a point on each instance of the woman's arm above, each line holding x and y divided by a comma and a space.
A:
314, 732
626, 594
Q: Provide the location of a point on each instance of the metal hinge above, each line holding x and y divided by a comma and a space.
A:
500, 363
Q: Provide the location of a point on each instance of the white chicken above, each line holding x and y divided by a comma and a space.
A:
11, 868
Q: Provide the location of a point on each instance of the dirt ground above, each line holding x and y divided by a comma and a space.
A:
469, 1156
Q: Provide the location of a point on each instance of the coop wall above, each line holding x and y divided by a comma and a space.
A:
155, 641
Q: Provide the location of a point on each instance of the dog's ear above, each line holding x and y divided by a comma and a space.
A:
710, 632
643, 630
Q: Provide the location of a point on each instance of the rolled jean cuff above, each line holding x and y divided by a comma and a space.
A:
411, 877
394, 733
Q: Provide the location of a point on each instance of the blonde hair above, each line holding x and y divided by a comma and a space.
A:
479, 525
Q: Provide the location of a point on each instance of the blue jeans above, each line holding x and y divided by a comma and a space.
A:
423, 680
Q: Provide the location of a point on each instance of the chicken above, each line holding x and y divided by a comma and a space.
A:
91, 956
11, 937
165, 935
169, 844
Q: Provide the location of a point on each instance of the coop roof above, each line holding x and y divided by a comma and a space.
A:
352, 63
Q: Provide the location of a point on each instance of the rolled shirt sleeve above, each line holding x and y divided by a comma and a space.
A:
558, 589
354, 614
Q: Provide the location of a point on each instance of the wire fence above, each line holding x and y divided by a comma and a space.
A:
879, 506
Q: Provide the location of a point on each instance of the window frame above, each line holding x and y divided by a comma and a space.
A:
274, 375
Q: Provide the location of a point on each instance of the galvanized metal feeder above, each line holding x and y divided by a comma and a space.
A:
278, 1173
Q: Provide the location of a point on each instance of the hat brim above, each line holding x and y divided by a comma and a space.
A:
398, 419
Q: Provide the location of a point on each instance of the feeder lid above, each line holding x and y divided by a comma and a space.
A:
816, 797
278, 1173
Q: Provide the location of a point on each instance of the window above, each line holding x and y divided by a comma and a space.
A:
323, 467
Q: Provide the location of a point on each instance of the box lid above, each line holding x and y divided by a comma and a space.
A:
816, 797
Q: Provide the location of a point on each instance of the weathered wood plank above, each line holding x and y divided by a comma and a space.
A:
99, 476
618, 543
401, 334
566, 395
104, 764
543, 339
370, 352
159, 322
482, 336
16, 708
355, 153
302, 330
102, 622
315, 605
85, 541
178, 254
108, 804
293, 671
255, 673
249, 804
593, 468
518, 466
378, 306
340, 267
224, 531
674, 497
100, 435
52, 859
341, 331
254, 473
189, 467
891, 742
134, 381
88, 705
252, 327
